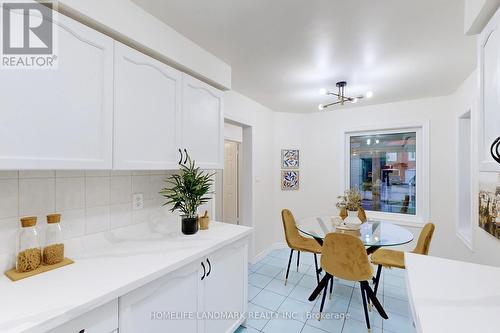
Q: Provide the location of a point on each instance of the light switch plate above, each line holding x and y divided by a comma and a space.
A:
137, 201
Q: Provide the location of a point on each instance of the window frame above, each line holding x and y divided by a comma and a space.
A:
422, 169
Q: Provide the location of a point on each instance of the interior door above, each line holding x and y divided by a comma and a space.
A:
147, 309
147, 111
230, 182
202, 123
226, 287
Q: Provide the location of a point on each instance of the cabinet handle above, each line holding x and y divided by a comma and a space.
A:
495, 149
209, 267
180, 152
185, 160
204, 270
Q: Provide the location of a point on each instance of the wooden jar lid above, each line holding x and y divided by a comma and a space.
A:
28, 221
53, 218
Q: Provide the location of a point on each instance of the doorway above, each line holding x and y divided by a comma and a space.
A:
230, 200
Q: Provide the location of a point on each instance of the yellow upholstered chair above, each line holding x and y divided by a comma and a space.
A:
393, 258
345, 257
297, 242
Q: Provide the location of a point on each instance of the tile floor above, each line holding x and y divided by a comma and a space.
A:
276, 308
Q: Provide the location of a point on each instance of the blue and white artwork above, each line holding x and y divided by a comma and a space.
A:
289, 158
289, 179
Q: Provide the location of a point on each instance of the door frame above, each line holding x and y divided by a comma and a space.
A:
246, 176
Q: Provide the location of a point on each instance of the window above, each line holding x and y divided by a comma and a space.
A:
383, 166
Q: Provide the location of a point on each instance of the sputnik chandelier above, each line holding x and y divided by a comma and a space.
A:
341, 97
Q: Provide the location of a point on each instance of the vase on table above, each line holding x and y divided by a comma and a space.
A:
352, 218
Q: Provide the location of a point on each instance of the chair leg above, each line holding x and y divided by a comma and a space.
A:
323, 301
365, 305
298, 259
377, 279
316, 264
331, 288
288, 269
374, 300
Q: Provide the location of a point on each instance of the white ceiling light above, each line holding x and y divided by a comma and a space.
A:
340, 95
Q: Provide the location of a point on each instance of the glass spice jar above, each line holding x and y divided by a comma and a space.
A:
28, 251
53, 252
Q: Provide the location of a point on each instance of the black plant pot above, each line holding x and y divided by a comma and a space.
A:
189, 225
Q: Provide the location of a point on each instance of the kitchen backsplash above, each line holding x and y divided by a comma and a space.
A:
89, 201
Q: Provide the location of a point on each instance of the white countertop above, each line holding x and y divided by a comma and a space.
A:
106, 266
452, 296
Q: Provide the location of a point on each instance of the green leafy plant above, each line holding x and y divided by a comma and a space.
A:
188, 189
350, 200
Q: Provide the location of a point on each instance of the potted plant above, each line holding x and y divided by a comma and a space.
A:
187, 191
349, 204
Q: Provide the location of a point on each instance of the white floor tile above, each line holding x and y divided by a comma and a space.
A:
259, 280
283, 325
268, 300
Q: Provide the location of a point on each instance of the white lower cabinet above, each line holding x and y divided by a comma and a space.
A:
103, 319
160, 305
225, 291
192, 299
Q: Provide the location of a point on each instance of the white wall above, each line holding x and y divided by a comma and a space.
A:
242, 110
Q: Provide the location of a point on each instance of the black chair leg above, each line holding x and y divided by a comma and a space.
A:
323, 300
319, 287
374, 300
377, 279
365, 304
298, 259
288, 269
316, 264
331, 287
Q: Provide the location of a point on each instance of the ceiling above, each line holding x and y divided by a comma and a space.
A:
283, 51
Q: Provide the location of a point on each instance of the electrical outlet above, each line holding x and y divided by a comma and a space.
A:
137, 201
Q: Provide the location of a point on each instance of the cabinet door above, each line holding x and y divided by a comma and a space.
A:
489, 120
146, 118
60, 118
226, 287
164, 305
202, 123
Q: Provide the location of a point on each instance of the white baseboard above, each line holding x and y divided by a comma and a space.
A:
268, 250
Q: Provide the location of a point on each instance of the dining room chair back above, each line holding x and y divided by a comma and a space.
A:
298, 243
424, 239
344, 256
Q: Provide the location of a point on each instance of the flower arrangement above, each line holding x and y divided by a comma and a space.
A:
351, 200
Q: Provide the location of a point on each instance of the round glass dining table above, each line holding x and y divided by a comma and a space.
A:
373, 234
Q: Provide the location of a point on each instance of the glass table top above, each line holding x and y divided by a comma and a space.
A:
371, 233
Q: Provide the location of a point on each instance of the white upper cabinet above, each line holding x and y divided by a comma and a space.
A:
489, 119
202, 123
147, 112
60, 118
